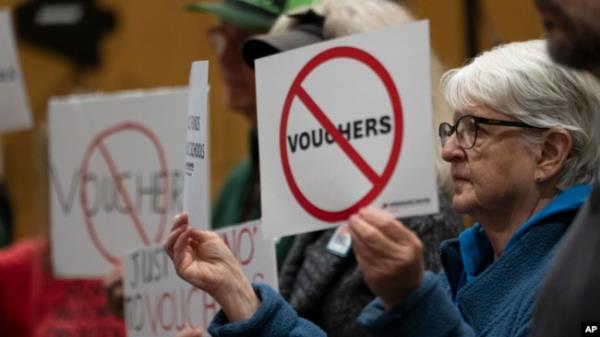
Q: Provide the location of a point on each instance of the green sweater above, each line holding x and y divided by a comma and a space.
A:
234, 206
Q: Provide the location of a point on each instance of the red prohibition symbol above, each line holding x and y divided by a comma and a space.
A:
378, 181
98, 143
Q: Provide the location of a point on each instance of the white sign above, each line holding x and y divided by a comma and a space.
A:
196, 188
344, 124
158, 303
14, 108
116, 176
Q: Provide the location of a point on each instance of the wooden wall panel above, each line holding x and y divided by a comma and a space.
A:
153, 46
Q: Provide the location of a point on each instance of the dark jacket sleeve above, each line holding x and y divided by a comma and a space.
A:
274, 318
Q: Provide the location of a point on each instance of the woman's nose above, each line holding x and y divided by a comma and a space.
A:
452, 151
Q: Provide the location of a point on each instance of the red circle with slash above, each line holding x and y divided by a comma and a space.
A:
98, 143
378, 181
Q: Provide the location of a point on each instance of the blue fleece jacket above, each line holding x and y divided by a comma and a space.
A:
476, 296
487, 298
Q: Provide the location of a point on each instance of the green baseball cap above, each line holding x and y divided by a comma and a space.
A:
248, 13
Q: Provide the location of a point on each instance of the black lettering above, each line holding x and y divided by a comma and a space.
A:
66, 202
328, 138
293, 142
195, 150
135, 312
177, 191
304, 140
371, 127
358, 129
345, 131
160, 198
158, 264
8, 75
194, 123
142, 191
136, 268
94, 207
386, 127
317, 141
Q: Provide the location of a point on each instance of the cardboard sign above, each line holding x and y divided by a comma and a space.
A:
196, 188
14, 108
158, 303
116, 176
344, 124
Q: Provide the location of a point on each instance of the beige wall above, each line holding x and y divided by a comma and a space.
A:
154, 45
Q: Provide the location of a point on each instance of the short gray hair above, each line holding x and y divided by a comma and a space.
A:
520, 80
346, 17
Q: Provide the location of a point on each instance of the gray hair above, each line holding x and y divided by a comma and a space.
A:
346, 17
520, 80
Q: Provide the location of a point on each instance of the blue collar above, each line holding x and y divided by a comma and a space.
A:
475, 247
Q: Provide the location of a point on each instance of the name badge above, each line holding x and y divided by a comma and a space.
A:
341, 242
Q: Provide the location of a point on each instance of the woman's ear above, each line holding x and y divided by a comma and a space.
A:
554, 153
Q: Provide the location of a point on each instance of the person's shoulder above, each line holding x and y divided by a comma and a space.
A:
21, 253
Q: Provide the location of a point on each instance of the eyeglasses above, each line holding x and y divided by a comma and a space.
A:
467, 127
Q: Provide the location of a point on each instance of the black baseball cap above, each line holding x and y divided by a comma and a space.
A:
308, 30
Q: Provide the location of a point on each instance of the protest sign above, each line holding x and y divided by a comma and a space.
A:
158, 303
116, 175
196, 185
14, 108
344, 124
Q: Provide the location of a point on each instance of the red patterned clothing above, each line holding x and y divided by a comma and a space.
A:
35, 304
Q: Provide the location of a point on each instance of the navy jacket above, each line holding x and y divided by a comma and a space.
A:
476, 296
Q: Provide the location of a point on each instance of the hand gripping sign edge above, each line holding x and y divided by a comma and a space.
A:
379, 182
98, 142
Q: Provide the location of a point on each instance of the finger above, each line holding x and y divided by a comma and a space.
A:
182, 242
201, 236
113, 277
369, 239
179, 223
179, 220
190, 332
173, 236
386, 223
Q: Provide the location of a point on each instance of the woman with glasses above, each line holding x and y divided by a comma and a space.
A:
522, 150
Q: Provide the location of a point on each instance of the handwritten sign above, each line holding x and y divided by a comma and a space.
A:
196, 185
116, 176
14, 108
158, 303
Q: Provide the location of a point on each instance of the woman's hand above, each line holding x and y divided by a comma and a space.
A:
389, 254
190, 332
113, 286
202, 259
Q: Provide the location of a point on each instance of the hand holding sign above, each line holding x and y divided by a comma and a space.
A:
389, 254
203, 259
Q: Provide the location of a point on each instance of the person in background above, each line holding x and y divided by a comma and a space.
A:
570, 295
239, 198
522, 156
34, 303
315, 281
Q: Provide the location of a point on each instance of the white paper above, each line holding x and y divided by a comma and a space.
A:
116, 176
14, 108
158, 303
196, 188
373, 87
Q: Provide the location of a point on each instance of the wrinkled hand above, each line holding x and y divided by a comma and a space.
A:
113, 286
202, 259
389, 254
190, 332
